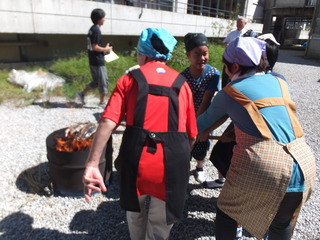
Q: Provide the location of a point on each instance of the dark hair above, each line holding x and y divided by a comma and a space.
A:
261, 67
251, 33
272, 51
97, 14
159, 46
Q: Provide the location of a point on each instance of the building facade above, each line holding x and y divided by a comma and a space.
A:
43, 30
292, 22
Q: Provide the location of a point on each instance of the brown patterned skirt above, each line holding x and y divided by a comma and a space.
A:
258, 177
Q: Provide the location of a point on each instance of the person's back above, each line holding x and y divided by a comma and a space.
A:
156, 116
153, 161
263, 87
156, 74
94, 37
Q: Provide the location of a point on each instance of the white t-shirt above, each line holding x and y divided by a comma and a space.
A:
233, 35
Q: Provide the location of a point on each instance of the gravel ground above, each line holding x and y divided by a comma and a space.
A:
29, 210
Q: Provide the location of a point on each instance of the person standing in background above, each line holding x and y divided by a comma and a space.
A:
272, 51
204, 81
241, 29
96, 52
154, 157
241, 24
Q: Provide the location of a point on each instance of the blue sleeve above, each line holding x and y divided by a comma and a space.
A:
215, 111
227, 39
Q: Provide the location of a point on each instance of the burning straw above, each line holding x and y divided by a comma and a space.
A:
78, 137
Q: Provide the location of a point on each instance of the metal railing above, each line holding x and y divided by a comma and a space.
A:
176, 6
311, 3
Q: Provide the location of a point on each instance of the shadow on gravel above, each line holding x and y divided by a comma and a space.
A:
108, 220
19, 226
70, 104
35, 180
193, 225
104, 223
296, 57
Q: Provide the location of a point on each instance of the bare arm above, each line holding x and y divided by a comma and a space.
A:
203, 136
192, 141
97, 48
92, 178
205, 103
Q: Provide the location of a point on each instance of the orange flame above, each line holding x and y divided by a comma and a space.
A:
70, 144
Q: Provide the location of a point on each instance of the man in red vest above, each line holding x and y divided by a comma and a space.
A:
154, 157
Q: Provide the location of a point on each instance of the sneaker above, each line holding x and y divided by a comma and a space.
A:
218, 183
239, 232
80, 96
102, 105
200, 176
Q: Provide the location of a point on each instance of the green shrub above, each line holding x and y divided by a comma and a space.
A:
215, 56
179, 60
76, 73
9, 91
117, 68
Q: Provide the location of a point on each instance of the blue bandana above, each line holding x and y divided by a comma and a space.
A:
156, 43
193, 40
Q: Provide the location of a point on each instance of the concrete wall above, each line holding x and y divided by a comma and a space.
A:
290, 3
313, 48
72, 17
255, 10
35, 30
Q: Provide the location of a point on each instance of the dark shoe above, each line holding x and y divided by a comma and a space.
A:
80, 96
214, 184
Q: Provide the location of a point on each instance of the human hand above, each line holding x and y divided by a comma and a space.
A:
202, 137
109, 47
92, 181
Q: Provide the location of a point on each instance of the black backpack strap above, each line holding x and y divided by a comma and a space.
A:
143, 90
174, 103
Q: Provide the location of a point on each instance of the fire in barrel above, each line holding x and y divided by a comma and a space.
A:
67, 152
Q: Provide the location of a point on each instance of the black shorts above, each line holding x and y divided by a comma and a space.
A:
200, 149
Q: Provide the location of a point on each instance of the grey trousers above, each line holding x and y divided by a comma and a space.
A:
99, 78
149, 224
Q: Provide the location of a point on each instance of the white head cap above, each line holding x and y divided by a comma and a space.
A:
268, 36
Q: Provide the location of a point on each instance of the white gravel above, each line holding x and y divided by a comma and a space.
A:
29, 210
